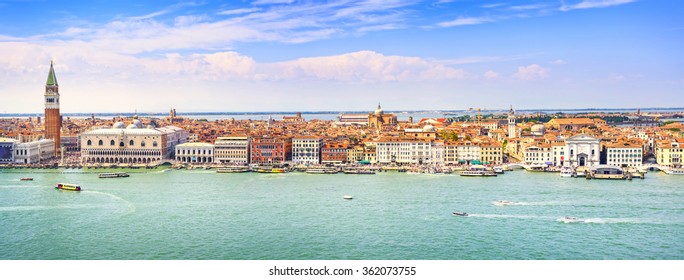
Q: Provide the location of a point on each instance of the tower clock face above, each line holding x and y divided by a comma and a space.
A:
49, 90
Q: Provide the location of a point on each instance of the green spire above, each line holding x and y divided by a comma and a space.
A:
52, 79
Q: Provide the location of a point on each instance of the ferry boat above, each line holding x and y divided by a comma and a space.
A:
675, 171
536, 168
272, 170
566, 171
26, 179
321, 171
68, 187
359, 171
232, 169
604, 171
113, 175
478, 171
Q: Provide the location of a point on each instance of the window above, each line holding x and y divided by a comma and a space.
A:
154, 144
100, 143
142, 144
90, 143
131, 143
111, 143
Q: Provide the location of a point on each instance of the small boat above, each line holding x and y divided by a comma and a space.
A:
347, 197
462, 214
675, 171
113, 175
498, 170
359, 171
566, 172
68, 187
570, 219
272, 170
26, 179
503, 203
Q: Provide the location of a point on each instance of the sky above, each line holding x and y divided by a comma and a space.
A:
346, 55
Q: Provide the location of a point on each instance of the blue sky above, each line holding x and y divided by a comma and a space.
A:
289, 55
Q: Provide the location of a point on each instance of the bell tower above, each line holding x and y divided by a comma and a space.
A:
53, 122
511, 123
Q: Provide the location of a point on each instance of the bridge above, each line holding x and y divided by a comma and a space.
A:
653, 167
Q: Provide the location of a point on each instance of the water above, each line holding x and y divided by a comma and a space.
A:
198, 214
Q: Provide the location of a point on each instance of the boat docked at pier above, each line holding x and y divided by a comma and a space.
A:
321, 171
113, 175
566, 171
359, 171
498, 170
604, 171
232, 169
272, 170
477, 171
68, 187
675, 171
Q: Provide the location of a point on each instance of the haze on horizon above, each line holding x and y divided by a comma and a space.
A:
289, 55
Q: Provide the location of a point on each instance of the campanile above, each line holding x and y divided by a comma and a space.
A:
53, 121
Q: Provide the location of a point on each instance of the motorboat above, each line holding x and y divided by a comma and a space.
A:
347, 197
26, 179
503, 203
462, 214
570, 219
498, 170
113, 175
359, 171
566, 172
68, 187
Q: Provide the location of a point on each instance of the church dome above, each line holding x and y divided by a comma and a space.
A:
137, 123
119, 125
132, 126
538, 129
428, 128
379, 111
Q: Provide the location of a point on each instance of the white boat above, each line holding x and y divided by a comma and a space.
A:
232, 169
675, 171
566, 172
347, 197
498, 170
478, 171
570, 219
113, 175
503, 203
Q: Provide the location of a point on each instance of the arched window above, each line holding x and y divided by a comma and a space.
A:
131, 143
121, 144
154, 144
90, 143
111, 143
142, 144
100, 143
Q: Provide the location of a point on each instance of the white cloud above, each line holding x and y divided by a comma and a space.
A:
238, 11
491, 74
590, 4
531, 72
465, 21
558, 62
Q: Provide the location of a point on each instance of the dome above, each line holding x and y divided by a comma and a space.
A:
131, 126
379, 111
428, 128
137, 123
537, 128
119, 125
149, 126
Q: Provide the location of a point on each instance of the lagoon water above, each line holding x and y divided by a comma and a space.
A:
199, 214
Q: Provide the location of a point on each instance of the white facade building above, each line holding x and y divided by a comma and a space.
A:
195, 152
232, 149
624, 154
404, 151
34, 151
130, 145
307, 149
466, 152
582, 150
511, 124
538, 155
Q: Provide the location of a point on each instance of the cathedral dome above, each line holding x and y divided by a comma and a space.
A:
378, 111
137, 123
119, 125
428, 128
132, 126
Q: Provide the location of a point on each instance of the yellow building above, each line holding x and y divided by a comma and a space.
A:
670, 153
491, 152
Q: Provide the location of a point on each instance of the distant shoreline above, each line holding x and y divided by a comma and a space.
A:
579, 110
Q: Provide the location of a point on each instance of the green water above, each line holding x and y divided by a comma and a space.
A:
181, 214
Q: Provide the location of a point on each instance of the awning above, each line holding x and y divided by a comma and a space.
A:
475, 162
461, 161
364, 162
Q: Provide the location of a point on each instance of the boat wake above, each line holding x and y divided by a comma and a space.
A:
45, 207
501, 216
609, 220
129, 206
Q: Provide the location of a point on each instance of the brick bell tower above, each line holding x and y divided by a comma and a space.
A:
53, 121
